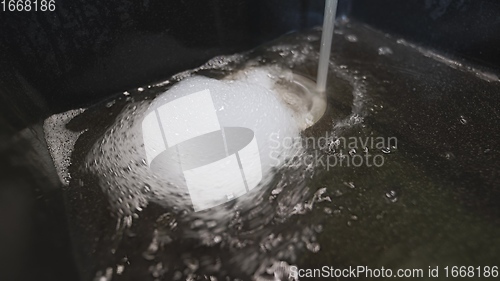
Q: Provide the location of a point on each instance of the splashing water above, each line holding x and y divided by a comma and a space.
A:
258, 232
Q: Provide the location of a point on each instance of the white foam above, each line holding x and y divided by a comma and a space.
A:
245, 101
61, 141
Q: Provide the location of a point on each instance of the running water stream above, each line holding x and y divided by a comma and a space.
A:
326, 43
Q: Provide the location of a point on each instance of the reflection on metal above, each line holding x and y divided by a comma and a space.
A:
217, 163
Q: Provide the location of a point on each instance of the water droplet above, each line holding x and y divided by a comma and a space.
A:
197, 223
313, 247
318, 228
392, 196
217, 239
119, 269
349, 184
449, 155
351, 38
383, 51
110, 104
191, 263
312, 38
